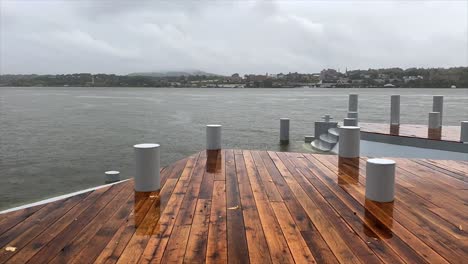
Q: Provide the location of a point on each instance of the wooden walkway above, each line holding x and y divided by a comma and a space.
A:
242, 206
448, 133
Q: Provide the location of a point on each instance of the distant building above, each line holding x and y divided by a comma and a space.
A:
235, 78
407, 79
329, 76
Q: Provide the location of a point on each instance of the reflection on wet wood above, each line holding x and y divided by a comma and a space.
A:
348, 167
395, 130
384, 225
243, 206
447, 133
434, 133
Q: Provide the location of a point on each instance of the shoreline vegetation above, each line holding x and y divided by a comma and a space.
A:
456, 77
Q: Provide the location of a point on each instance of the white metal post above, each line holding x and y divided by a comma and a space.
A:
395, 110
284, 130
213, 137
438, 106
353, 103
349, 142
147, 178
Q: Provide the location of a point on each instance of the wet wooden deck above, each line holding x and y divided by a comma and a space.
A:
241, 206
447, 133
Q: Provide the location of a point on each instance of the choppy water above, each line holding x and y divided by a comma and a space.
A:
59, 140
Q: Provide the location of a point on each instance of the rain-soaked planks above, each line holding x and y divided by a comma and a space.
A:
241, 206
447, 133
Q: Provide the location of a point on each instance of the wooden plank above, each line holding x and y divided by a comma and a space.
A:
60, 241
157, 243
220, 171
9, 220
268, 184
23, 255
450, 172
148, 230
237, 241
320, 251
258, 248
95, 244
198, 238
296, 243
71, 249
357, 192
350, 211
217, 235
23, 233
281, 207
279, 250
175, 249
325, 220
115, 247
143, 232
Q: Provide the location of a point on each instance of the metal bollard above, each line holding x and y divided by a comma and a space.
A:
284, 130
464, 131
380, 180
395, 110
349, 142
350, 122
213, 137
438, 105
353, 115
147, 178
353, 103
112, 176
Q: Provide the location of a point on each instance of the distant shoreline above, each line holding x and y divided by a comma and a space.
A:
232, 88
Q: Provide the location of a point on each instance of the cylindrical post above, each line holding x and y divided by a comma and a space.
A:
353, 103
213, 137
284, 130
112, 176
438, 105
147, 178
349, 142
434, 130
353, 115
380, 180
464, 131
395, 110
434, 120
350, 122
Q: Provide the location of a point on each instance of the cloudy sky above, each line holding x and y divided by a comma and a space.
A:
105, 36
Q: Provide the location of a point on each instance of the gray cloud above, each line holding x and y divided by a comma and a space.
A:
227, 36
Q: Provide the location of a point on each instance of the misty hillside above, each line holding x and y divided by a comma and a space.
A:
172, 73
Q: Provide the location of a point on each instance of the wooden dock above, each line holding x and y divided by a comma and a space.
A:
447, 133
241, 206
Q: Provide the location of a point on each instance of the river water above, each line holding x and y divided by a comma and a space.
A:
56, 140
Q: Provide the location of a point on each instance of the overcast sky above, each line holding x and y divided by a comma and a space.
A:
49, 37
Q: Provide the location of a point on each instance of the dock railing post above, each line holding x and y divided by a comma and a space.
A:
434, 129
353, 103
380, 180
464, 131
350, 121
112, 176
349, 142
395, 110
284, 131
438, 106
147, 158
354, 115
213, 137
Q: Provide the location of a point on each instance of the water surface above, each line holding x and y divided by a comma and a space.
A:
58, 140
